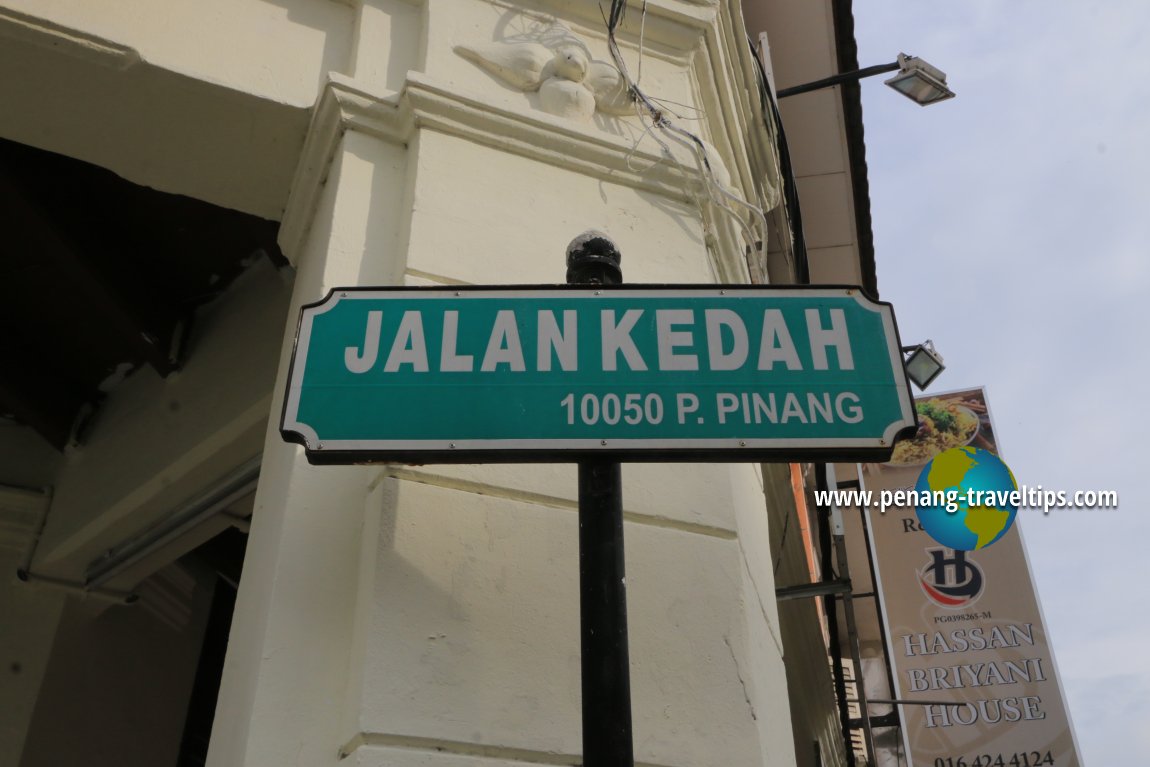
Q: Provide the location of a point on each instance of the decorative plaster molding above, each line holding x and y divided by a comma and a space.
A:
671, 26
342, 105
382, 741
425, 103
82, 45
740, 88
550, 139
723, 71
557, 64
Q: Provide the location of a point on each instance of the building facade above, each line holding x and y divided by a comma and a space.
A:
181, 177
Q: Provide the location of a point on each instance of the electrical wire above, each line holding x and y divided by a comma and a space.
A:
661, 129
791, 207
642, 36
662, 102
783, 538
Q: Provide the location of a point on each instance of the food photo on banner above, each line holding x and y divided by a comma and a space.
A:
968, 648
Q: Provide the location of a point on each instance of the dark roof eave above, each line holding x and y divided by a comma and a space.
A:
847, 51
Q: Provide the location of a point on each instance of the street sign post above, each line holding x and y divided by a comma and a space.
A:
605, 666
596, 373
556, 373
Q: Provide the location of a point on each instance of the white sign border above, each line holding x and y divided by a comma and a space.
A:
314, 444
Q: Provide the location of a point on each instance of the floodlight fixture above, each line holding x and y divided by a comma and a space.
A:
919, 81
923, 364
916, 79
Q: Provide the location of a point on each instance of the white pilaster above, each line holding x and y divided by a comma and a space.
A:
429, 615
286, 672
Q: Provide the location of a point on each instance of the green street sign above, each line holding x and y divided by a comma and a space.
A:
560, 373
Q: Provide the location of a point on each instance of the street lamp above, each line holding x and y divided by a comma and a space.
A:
919, 81
923, 363
916, 79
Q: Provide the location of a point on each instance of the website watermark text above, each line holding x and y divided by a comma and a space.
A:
952, 500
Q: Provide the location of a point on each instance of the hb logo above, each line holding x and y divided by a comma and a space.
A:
951, 582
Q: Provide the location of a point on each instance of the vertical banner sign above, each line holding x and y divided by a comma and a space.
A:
964, 628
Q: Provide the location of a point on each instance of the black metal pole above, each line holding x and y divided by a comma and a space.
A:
830, 607
839, 79
603, 617
593, 259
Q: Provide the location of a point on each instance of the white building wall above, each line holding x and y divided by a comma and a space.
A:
428, 615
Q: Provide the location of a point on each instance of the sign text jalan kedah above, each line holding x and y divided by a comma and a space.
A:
669, 373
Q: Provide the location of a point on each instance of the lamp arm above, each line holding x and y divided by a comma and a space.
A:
839, 79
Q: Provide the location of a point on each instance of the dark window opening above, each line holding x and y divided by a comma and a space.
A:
224, 554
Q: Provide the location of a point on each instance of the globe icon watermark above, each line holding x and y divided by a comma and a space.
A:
967, 498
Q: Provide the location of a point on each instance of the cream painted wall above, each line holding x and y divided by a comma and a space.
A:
459, 624
474, 638
279, 50
513, 224
211, 104
428, 616
289, 670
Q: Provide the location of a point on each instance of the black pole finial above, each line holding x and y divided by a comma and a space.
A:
593, 258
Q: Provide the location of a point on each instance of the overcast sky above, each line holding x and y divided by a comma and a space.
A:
1012, 227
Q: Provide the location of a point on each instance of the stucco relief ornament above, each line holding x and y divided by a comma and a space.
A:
570, 82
